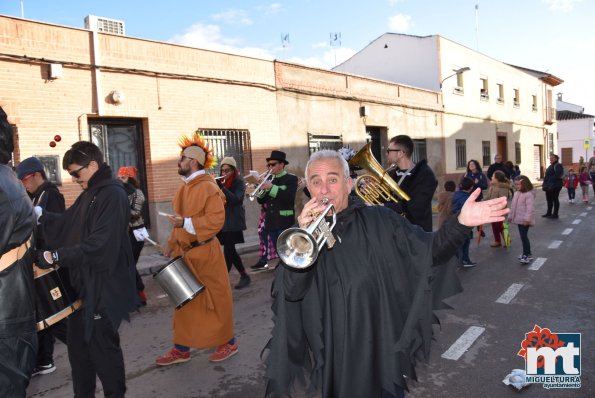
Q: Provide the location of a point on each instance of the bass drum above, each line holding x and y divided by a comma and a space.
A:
54, 301
178, 281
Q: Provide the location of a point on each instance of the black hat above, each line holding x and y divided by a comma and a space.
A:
278, 155
28, 166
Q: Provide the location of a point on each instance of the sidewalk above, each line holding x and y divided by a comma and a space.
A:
151, 260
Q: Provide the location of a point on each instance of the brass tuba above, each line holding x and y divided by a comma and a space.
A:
377, 187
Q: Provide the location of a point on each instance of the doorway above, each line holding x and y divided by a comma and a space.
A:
501, 147
121, 141
374, 137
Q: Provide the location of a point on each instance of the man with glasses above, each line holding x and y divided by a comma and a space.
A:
18, 338
45, 194
498, 165
416, 179
278, 201
91, 239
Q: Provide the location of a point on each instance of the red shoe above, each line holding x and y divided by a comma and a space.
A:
174, 356
223, 352
142, 297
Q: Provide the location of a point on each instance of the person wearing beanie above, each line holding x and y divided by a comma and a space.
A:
234, 188
90, 239
45, 194
136, 197
199, 205
278, 201
18, 340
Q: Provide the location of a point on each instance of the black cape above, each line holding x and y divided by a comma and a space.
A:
361, 316
91, 238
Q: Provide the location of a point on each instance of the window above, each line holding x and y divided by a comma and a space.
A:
459, 89
516, 101
500, 93
318, 142
419, 150
534, 103
52, 168
461, 152
550, 141
483, 91
486, 156
234, 143
517, 153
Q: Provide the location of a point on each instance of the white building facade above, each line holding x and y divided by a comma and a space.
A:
575, 132
489, 107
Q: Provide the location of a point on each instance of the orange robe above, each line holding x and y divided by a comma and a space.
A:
207, 320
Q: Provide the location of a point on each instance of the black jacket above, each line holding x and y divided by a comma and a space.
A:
360, 317
17, 294
495, 167
280, 202
91, 238
420, 185
554, 177
235, 213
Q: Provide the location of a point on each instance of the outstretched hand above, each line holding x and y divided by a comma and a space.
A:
478, 213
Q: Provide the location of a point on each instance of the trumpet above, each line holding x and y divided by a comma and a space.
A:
299, 248
268, 176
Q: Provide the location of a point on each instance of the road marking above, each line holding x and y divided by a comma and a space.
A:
584, 214
567, 231
577, 221
463, 343
509, 294
555, 244
537, 263
589, 208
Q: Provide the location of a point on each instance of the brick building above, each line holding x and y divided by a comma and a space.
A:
135, 97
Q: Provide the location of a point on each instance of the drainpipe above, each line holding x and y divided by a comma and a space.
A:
96, 61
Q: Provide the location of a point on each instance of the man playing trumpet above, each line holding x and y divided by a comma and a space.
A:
278, 200
356, 321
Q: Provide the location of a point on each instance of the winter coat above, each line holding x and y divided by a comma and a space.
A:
235, 213
584, 179
498, 189
458, 200
482, 182
280, 201
575, 180
522, 208
444, 206
553, 178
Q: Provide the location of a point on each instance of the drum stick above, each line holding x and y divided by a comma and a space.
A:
161, 213
151, 241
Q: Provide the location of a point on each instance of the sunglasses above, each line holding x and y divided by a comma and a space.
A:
273, 164
393, 150
226, 170
76, 173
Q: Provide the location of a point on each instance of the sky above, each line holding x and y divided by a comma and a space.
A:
553, 36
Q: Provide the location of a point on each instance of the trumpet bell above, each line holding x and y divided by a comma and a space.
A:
297, 248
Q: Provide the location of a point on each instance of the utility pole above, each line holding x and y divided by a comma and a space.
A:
477, 26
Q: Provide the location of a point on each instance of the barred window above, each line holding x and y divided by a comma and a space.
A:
419, 150
461, 151
318, 142
234, 143
486, 153
517, 153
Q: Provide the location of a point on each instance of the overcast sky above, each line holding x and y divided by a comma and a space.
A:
554, 36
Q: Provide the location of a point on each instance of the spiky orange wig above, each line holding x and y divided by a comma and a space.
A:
190, 145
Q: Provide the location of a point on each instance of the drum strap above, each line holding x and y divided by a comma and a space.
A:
14, 255
197, 243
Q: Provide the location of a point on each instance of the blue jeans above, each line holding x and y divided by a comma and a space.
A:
571, 192
465, 248
524, 232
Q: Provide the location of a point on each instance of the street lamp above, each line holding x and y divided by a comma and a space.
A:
456, 72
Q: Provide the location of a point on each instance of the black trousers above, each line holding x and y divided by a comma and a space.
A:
47, 338
553, 201
137, 247
17, 359
233, 258
100, 357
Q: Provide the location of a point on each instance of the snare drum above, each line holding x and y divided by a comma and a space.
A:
54, 303
178, 281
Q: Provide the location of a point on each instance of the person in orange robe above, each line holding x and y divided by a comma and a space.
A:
199, 206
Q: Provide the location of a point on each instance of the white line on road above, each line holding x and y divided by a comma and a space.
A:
589, 208
555, 244
537, 263
567, 231
509, 294
584, 214
463, 343
577, 221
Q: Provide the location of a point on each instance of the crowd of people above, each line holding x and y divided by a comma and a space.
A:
320, 313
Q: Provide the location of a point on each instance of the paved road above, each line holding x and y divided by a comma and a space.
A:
559, 295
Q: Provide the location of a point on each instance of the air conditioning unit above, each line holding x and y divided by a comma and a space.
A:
104, 25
